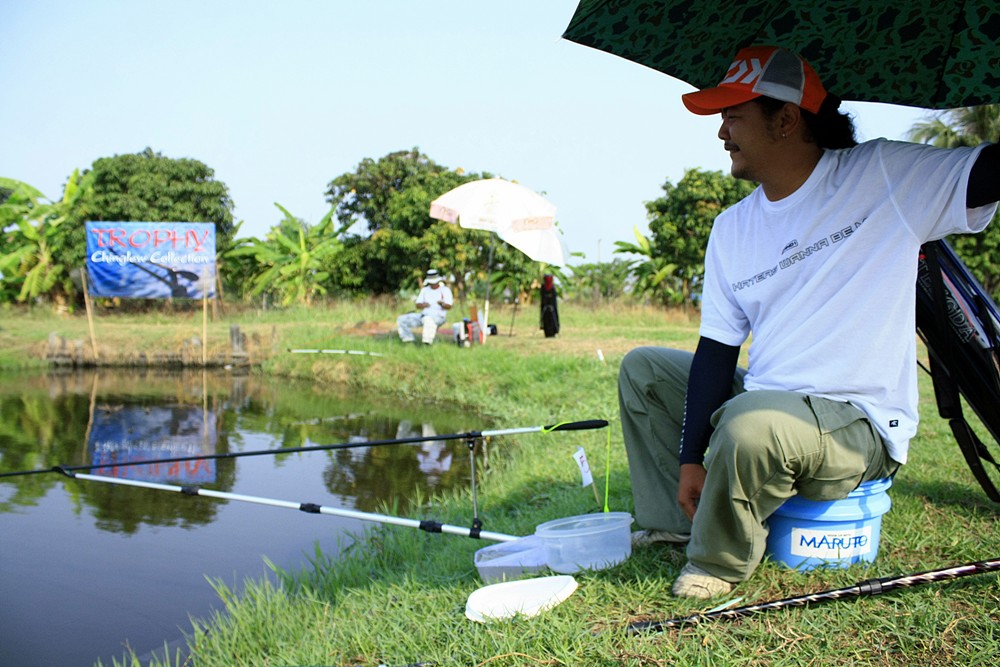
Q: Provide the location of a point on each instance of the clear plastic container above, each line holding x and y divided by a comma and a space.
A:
586, 542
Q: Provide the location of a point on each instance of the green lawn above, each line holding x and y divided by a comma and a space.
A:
400, 598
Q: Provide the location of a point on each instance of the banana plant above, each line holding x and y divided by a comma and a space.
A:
292, 259
33, 231
652, 273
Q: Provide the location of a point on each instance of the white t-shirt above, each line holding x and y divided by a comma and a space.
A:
825, 278
432, 295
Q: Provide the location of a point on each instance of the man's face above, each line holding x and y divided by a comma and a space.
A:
749, 137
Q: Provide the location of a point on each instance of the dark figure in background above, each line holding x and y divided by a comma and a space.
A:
550, 309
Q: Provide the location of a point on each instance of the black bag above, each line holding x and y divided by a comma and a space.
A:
958, 322
550, 308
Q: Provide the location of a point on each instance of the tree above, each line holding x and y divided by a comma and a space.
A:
293, 258
148, 187
370, 195
969, 126
680, 222
33, 232
388, 202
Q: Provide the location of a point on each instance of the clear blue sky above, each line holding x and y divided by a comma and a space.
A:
281, 97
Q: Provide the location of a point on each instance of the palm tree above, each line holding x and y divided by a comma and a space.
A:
969, 126
965, 126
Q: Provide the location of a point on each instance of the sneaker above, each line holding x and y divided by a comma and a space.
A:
694, 582
643, 538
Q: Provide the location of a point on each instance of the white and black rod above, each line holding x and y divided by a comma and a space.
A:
353, 352
309, 508
470, 435
861, 589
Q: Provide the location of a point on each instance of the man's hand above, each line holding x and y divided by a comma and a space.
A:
692, 481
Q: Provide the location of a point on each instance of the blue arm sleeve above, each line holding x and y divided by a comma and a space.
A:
709, 386
984, 179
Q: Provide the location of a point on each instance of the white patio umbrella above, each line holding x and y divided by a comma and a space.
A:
540, 241
493, 204
518, 215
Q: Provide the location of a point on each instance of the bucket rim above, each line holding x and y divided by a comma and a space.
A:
872, 486
593, 524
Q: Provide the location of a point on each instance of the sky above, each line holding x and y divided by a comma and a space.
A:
280, 98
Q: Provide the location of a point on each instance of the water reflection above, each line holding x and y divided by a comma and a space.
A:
160, 546
149, 416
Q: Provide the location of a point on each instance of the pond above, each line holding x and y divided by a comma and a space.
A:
90, 570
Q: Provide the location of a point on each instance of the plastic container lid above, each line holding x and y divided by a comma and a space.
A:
527, 597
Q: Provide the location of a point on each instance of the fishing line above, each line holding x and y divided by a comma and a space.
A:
607, 472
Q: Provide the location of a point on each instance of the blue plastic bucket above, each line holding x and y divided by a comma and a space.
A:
806, 534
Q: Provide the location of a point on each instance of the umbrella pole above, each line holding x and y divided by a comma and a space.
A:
514, 314
489, 272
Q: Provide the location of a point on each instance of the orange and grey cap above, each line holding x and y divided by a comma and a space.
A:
768, 71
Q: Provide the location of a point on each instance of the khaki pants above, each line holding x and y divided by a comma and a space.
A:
766, 447
405, 324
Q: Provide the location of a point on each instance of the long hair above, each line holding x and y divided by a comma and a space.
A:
830, 128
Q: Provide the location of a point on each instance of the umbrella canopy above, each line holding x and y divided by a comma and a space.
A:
935, 54
520, 216
493, 204
539, 241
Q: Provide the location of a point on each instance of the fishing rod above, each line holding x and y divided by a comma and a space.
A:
352, 352
860, 589
470, 436
309, 508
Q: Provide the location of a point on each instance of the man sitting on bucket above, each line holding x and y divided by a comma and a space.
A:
433, 303
820, 264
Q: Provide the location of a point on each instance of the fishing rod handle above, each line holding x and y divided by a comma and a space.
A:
577, 426
568, 426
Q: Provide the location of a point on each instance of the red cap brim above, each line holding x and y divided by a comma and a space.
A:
713, 100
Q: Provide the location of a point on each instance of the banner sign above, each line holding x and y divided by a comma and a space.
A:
151, 260
133, 433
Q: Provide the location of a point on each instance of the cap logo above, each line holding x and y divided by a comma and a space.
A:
756, 71
744, 72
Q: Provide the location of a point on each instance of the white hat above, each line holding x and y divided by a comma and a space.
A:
433, 277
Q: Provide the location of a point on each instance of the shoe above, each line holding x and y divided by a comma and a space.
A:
643, 538
694, 582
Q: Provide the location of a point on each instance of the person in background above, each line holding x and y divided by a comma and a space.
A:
433, 303
819, 263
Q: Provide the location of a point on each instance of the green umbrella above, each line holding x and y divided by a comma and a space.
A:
935, 54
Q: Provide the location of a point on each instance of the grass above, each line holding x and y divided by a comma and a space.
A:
398, 598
